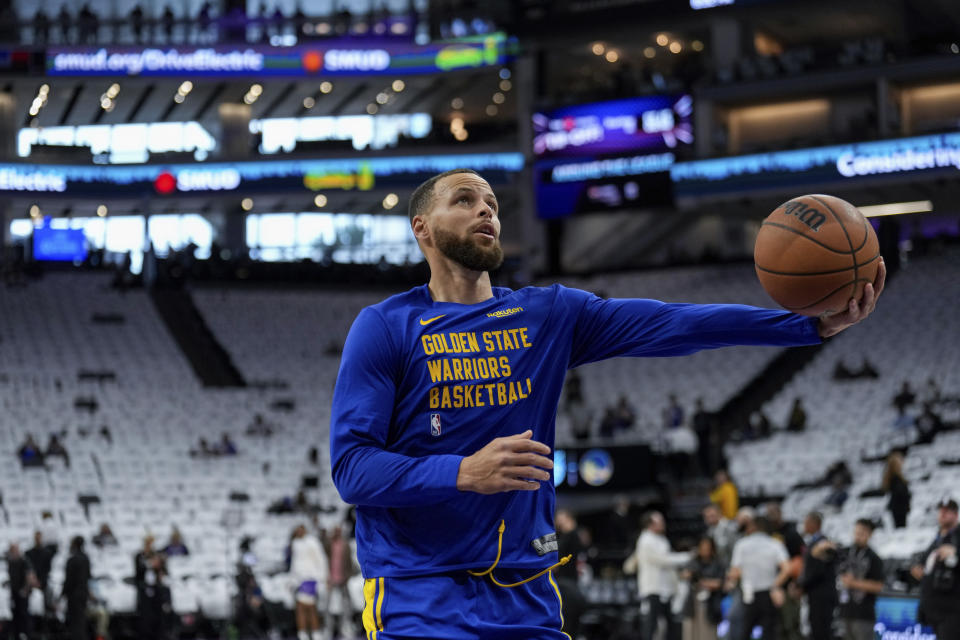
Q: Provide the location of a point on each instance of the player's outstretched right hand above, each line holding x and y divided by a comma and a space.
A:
512, 463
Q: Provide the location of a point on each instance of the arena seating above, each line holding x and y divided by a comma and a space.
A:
911, 337
146, 480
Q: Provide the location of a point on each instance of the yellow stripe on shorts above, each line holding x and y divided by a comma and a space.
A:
559, 599
372, 607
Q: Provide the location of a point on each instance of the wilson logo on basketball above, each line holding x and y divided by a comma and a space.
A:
808, 215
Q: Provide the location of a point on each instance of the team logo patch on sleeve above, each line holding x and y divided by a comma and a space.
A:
435, 428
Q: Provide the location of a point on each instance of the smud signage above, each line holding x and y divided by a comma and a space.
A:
343, 58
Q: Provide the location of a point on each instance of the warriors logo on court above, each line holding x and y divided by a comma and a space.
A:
435, 424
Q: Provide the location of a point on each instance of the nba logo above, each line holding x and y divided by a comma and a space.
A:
435, 424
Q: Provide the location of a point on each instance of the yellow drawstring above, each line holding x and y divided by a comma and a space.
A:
493, 579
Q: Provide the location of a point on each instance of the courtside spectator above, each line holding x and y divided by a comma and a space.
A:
40, 557
340, 561
761, 566
819, 577
105, 537
797, 421
21, 580
620, 531
308, 564
895, 485
938, 575
860, 578
722, 531
76, 591
175, 546
724, 494
657, 566
30, 453
786, 532
702, 610
153, 596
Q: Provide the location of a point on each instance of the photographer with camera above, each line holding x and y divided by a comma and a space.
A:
939, 581
819, 577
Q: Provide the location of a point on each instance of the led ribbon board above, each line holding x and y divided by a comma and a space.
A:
931, 156
344, 58
248, 177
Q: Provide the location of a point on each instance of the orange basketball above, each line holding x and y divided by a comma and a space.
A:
814, 253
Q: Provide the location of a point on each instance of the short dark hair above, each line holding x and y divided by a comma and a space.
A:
817, 517
647, 519
422, 196
867, 522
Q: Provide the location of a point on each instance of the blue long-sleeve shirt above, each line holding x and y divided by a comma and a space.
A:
423, 384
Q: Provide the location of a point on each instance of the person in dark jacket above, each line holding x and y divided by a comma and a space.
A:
152, 594
705, 573
569, 543
819, 577
22, 580
895, 484
76, 590
939, 575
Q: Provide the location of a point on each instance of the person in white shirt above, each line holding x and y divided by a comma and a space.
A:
308, 565
761, 564
657, 567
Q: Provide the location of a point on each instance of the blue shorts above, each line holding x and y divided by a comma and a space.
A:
458, 606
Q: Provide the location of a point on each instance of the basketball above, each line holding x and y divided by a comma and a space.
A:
814, 253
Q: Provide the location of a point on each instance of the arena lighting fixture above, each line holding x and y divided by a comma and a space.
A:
382, 98
326, 87
492, 110
955, 48
323, 28
34, 211
320, 200
309, 102
505, 85
896, 208
256, 90
598, 48
372, 109
113, 91
179, 98
696, 45
662, 39
185, 87
612, 56
456, 124
498, 98
505, 74
398, 85
246, 204
102, 211
676, 47
390, 201
460, 135
457, 103
649, 52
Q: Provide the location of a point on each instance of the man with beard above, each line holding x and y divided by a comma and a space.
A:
444, 411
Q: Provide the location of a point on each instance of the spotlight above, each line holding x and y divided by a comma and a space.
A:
308, 102
662, 39
382, 98
506, 85
185, 87
320, 200
676, 47
491, 110
598, 48
246, 204
696, 45
398, 85
612, 56
102, 211
457, 103
372, 108
326, 87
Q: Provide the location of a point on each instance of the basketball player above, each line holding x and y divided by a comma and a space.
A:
443, 420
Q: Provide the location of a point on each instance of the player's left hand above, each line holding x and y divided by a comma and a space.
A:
833, 323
